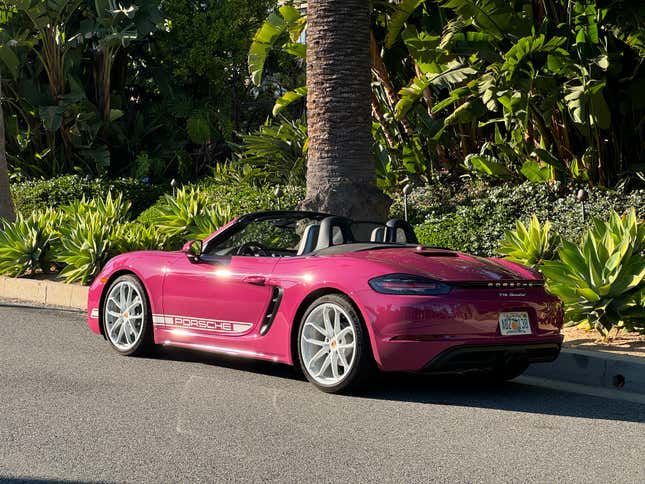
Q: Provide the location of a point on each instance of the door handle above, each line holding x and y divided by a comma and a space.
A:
255, 280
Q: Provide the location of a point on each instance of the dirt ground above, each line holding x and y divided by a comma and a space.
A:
623, 343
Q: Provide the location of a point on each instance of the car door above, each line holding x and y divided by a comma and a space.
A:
214, 300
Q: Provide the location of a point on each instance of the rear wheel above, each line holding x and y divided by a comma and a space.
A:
127, 321
333, 345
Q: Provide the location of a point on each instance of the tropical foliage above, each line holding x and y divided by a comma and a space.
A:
507, 89
126, 88
601, 279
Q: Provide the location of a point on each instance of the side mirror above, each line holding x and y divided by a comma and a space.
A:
193, 250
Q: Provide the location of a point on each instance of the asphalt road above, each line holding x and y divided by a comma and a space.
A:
71, 409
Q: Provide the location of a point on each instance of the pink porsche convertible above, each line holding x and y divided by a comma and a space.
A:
336, 297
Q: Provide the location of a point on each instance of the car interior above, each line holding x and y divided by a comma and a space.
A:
292, 234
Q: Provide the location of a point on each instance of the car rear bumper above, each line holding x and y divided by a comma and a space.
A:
457, 355
469, 357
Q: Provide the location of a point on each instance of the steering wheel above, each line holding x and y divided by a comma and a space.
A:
255, 249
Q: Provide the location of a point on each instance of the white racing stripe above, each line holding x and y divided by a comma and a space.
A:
201, 324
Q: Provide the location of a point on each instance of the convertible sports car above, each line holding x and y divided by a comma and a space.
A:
336, 297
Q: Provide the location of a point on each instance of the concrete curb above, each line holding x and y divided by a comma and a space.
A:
595, 368
44, 293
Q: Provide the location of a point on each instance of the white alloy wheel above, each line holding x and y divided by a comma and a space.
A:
124, 315
328, 344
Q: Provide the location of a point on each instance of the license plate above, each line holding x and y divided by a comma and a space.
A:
514, 323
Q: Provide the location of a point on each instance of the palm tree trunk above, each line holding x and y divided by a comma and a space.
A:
6, 203
341, 175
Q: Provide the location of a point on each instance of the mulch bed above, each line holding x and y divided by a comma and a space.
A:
623, 343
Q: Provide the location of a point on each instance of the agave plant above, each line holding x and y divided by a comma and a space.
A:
601, 280
190, 215
133, 236
85, 246
25, 245
530, 246
112, 210
210, 220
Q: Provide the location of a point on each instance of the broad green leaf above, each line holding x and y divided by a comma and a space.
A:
288, 98
489, 167
51, 116
263, 41
398, 18
534, 172
198, 129
296, 49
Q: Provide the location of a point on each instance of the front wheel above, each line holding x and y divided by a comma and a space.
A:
127, 322
333, 345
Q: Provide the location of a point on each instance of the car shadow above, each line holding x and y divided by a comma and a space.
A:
455, 390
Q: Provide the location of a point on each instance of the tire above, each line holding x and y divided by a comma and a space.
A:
333, 345
131, 336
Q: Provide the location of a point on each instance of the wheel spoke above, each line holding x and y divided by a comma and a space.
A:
134, 303
114, 313
345, 346
327, 321
314, 341
122, 299
116, 325
113, 300
119, 336
344, 332
316, 357
317, 328
336, 323
334, 364
343, 360
127, 332
324, 366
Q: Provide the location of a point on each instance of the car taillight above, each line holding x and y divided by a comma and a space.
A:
408, 284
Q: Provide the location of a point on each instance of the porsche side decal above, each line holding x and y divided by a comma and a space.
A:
208, 325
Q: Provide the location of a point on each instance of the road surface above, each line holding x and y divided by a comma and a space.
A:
71, 409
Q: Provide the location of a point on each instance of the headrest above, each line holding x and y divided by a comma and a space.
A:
309, 239
378, 235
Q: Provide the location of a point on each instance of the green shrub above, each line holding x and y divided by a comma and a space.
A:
473, 217
601, 279
245, 198
530, 246
41, 194
25, 245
